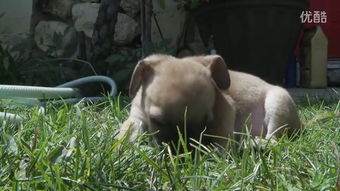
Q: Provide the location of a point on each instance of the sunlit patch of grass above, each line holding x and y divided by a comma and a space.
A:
73, 148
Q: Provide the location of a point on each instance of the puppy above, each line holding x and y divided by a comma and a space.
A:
199, 94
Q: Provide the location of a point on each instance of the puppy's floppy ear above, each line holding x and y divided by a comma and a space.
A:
219, 71
141, 71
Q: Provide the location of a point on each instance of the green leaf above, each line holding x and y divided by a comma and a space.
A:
12, 145
123, 75
150, 161
114, 58
55, 154
161, 3
6, 63
2, 14
23, 167
22, 46
61, 152
70, 148
124, 53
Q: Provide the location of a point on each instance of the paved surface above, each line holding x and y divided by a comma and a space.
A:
327, 94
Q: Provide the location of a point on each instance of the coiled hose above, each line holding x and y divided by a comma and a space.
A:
64, 93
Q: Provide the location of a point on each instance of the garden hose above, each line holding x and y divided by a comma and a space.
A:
10, 117
13, 91
64, 93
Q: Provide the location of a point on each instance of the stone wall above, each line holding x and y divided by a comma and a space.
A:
64, 28
14, 22
14, 18
61, 21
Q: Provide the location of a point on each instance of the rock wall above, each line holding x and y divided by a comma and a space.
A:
15, 19
60, 22
14, 22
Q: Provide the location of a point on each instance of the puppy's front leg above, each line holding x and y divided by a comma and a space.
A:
135, 124
224, 120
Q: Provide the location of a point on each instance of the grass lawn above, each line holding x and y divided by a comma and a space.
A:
73, 148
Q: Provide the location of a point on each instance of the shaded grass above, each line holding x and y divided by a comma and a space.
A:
73, 148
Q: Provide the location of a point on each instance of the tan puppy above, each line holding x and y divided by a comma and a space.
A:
199, 93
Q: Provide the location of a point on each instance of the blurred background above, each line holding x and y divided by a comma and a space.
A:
294, 43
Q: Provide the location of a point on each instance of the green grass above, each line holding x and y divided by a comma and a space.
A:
73, 148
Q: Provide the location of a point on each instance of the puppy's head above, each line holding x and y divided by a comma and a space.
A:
178, 93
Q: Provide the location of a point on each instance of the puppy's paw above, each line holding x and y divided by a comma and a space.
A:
262, 144
130, 130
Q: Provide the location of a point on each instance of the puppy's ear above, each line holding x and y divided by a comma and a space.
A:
219, 71
141, 71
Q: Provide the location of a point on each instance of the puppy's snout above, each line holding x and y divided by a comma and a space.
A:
168, 131
157, 121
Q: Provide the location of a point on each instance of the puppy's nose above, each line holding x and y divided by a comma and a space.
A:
156, 112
